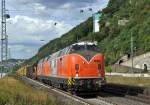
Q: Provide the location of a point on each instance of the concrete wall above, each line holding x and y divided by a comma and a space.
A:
125, 69
139, 61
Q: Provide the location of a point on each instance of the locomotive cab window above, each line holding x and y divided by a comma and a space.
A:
92, 48
78, 47
85, 49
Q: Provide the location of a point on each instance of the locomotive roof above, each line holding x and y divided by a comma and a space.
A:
85, 43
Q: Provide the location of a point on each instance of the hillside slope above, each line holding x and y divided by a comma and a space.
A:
114, 36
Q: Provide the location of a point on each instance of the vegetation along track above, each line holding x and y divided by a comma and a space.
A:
67, 97
129, 92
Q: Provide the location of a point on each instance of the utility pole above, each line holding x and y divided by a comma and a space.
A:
132, 53
4, 37
9, 53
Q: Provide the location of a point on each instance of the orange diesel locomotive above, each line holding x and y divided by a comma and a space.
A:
78, 67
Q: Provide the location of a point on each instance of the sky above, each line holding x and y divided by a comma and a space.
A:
34, 20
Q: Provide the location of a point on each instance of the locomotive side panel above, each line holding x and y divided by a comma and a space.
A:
102, 67
54, 67
49, 67
40, 68
46, 68
62, 66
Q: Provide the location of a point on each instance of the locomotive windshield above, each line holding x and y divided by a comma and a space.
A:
85, 49
92, 48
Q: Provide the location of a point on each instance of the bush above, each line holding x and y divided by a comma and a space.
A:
108, 69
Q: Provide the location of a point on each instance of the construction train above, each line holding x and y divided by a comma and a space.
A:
77, 68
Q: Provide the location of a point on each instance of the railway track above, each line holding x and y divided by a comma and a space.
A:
68, 98
128, 92
140, 97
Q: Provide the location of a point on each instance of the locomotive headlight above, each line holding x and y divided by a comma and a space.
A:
77, 69
83, 62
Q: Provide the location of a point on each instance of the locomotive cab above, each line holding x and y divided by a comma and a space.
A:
87, 67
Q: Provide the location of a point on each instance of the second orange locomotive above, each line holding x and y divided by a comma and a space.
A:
78, 67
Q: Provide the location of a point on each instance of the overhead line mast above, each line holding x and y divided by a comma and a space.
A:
4, 37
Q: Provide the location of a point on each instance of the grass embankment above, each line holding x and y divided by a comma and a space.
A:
14, 92
133, 81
